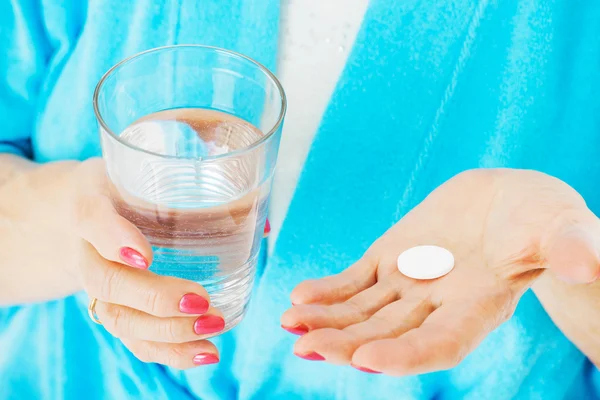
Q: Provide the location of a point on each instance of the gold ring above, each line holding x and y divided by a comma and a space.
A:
92, 311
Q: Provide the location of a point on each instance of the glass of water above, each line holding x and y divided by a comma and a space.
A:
190, 136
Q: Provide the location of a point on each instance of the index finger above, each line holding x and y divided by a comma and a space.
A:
161, 296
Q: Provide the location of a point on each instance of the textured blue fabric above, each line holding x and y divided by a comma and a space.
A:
431, 88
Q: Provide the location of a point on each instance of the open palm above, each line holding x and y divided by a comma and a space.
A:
504, 227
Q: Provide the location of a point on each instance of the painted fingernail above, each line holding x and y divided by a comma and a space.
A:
296, 330
208, 324
363, 369
267, 228
205, 359
311, 356
133, 258
192, 303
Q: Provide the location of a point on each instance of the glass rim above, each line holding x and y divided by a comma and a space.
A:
276, 127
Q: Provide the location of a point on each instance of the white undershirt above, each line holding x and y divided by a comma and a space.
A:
316, 37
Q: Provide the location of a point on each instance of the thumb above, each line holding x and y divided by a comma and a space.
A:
114, 237
572, 251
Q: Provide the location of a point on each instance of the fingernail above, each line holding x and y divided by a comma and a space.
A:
133, 258
267, 228
311, 356
208, 324
363, 369
192, 303
296, 330
205, 359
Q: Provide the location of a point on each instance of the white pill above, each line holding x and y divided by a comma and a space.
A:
425, 262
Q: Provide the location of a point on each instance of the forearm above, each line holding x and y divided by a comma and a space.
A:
35, 255
575, 309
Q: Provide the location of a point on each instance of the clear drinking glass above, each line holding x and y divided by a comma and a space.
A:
190, 136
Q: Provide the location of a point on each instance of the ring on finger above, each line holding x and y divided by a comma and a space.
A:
92, 311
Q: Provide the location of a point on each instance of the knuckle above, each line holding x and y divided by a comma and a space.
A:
88, 206
171, 331
355, 308
383, 322
109, 280
154, 303
176, 357
115, 320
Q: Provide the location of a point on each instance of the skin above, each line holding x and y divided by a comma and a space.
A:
508, 230
574, 309
59, 227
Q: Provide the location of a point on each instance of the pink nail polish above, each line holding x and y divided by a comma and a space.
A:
192, 303
205, 359
296, 330
133, 258
312, 356
267, 228
363, 369
208, 324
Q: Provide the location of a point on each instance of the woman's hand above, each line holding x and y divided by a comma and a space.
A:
504, 227
62, 212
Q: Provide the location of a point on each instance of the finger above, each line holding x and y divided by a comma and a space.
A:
180, 356
338, 346
572, 250
440, 343
161, 296
303, 318
339, 287
113, 236
125, 322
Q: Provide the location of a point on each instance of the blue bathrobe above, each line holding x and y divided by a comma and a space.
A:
431, 88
